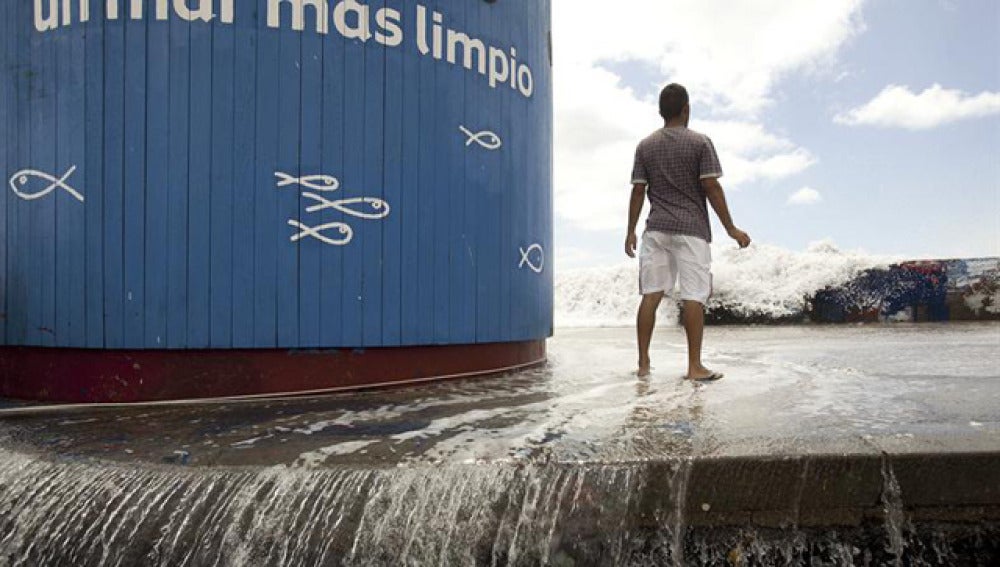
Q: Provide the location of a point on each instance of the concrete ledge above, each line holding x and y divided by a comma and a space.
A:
836, 490
815, 509
933, 480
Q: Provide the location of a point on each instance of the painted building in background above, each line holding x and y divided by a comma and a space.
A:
909, 292
921, 291
216, 198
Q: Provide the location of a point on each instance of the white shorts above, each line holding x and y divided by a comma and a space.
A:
669, 259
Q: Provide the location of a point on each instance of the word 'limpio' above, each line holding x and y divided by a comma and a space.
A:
350, 18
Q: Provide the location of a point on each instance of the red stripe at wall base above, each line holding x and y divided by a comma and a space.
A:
133, 376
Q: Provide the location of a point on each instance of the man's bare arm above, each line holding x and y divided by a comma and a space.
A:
717, 197
634, 210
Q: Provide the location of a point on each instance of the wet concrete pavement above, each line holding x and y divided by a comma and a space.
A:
788, 391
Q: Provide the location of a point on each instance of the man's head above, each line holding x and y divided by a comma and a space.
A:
674, 103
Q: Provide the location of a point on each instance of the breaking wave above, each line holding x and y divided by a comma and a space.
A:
762, 281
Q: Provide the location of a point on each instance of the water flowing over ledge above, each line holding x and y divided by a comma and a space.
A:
80, 513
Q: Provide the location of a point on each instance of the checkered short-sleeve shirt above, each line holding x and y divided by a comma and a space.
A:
671, 162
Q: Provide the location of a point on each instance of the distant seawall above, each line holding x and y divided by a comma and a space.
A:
917, 291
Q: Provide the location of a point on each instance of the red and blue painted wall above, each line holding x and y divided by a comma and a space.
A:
918, 291
945, 290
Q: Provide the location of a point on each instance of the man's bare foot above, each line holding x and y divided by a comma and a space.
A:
644, 369
702, 374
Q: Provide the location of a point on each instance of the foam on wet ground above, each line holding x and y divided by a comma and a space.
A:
787, 391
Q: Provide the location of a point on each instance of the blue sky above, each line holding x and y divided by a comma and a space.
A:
882, 115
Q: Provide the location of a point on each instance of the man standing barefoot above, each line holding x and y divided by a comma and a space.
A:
679, 170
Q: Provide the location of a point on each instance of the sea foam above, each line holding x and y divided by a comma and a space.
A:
763, 281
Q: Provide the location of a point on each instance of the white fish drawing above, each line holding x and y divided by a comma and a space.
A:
319, 232
367, 208
380, 207
20, 180
489, 140
526, 258
314, 182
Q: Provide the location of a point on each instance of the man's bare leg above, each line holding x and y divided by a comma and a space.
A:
694, 326
645, 322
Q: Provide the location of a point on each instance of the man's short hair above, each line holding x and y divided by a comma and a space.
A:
673, 99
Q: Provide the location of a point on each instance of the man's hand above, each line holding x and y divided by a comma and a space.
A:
740, 237
634, 210
631, 242
717, 197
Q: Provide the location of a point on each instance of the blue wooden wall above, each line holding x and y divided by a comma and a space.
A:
176, 131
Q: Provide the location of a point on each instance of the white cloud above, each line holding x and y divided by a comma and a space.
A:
730, 65
749, 153
598, 122
805, 196
898, 107
729, 54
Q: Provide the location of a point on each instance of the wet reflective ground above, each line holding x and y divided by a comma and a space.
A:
787, 390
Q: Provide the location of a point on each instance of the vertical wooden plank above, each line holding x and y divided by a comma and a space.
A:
245, 179
157, 185
178, 184
94, 179
526, 227
200, 188
221, 200
500, 193
543, 86
392, 280
156, 253
42, 220
135, 181
511, 207
289, 200
353, 185
430, 275
525, 44
537, 155
448, 153
310, 126
372, 186
539, 116
29, 213
8, 69
16, 309
271, 233
426, 72
11, 72
14, 46
70, 229
488, 202
114, 149
332, 163
474, 214
461, 243
409, 209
